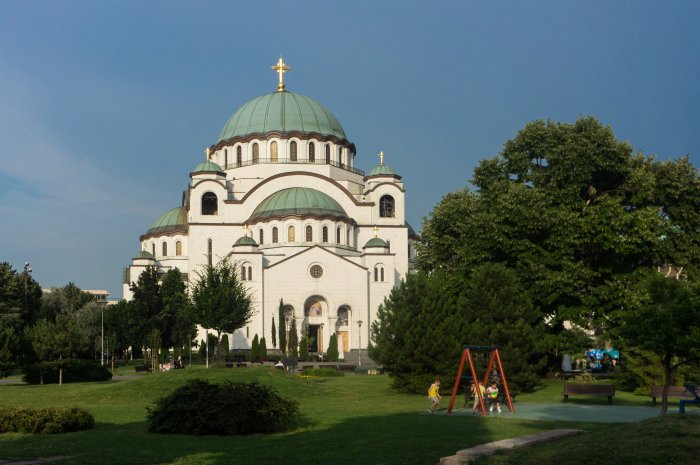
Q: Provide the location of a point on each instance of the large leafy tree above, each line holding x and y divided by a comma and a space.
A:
177, 321
147, 312
221, 301
666, 322
58, 344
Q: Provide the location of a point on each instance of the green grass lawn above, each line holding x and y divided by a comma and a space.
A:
346, 420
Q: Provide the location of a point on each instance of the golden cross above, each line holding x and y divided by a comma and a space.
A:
207, 152
281, 68
381, 158
376, 229
245, 229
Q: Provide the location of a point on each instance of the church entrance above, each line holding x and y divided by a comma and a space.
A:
316, 336
345, 340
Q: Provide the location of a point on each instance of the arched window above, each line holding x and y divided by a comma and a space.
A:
293, 150
153, 249
239, 156
256, 152
340, 156
379, 273
210, 251
328, 154
225, 158
376, 274
325, 234
312, 152
243, 273
347, 239
386, 207
261, 237
210, 204
274, 236
337, 235
343, 315
309, 234
273, 152
250, 273
290, 234
178, 248
165, 249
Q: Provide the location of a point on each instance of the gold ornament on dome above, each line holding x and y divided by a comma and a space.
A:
281, 68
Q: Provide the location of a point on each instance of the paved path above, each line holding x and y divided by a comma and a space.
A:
40, 461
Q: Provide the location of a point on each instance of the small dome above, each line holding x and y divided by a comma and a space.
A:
376, 242
172, 220
282, 112
381, 170
144, 255
245, 240
207, 166
298, 201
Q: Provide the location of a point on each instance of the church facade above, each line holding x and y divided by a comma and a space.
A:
280, 195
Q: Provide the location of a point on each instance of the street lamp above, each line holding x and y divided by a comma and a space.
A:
102, 349
359, 335
27, 273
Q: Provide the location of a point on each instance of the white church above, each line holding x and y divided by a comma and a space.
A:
279, 193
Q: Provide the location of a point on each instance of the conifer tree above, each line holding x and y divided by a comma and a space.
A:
255, 350
304, 342
283, 328
224, 346
274, 333
262, 350
293, 346
332, 354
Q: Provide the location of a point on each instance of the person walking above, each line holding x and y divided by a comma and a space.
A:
434, 396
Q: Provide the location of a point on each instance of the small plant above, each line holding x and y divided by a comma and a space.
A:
584, 378
200, 408
45, 421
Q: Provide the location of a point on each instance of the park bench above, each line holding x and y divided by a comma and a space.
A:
680, 392
142, 368
607, 390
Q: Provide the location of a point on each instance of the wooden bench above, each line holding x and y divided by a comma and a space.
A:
142, 368
589, 390
680, 392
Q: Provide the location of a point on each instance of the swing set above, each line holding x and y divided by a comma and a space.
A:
494, 356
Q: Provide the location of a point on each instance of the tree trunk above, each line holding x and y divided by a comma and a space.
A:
60, 376
667, 383
219, 358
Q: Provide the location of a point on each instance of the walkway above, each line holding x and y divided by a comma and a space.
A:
40, 461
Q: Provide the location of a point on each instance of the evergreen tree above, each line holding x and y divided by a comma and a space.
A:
262, 350
255, 350
202, 350
332, 355
225, 346
274, 333
304, 342
293, 345
283, 328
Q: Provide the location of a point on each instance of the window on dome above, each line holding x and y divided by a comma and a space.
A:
309, 234
275, 239
225, 158
291, 234
325, 234
210, 204
328, 154
165, 249
256, 152
261, 237
153, 249
347, 239
386, 207
340, 156
239, 156
312, 152
293, 150
273, 152
337, 236
178, 248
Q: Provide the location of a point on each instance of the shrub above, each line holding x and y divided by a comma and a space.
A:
45, 421
322, 372
80, 370
200, 407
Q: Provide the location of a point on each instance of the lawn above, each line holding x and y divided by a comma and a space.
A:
346, 420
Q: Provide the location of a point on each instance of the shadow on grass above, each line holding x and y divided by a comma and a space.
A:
407, 438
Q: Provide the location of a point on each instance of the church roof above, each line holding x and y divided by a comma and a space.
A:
246, 240
172, 220
376, 242
298, 201
144, 255
282, 112
207, 166
382, 170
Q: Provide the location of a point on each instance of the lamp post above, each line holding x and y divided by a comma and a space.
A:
27, 273
359, 336
102, 338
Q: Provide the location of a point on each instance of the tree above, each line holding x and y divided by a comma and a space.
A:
147, 306
293, 344
304, 342
332, 354
255, 350
274, 333
667, 322
283, 328
262, 350
221, 301
176, 320
58, 345
225, 347
20, 297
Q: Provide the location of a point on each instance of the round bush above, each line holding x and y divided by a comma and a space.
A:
200, 407
45, 421
79, 371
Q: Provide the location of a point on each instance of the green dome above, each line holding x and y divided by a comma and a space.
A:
207, 166
382, 170
298, 201
172, 220
246, 240
376, 242
144, 255
282, 112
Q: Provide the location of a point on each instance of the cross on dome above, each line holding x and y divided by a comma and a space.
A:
281, 68
381, 158
245, 229
376, 230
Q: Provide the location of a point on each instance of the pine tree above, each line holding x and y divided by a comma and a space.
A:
224, 346
293, 346
304, 342
255, 350
274, 333
282, 328
332, 354
262, 350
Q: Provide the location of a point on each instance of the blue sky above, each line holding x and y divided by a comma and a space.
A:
105, 107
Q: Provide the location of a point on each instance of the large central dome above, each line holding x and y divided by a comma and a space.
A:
282, 112
298, 201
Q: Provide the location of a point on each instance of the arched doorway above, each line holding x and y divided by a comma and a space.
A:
342, 328
316, 314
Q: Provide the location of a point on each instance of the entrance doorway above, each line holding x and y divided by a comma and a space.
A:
345, 340
316, 336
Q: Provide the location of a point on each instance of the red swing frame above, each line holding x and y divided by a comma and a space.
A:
467, 355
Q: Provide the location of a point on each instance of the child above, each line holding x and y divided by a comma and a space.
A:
434, 396
492, 394
476, 396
